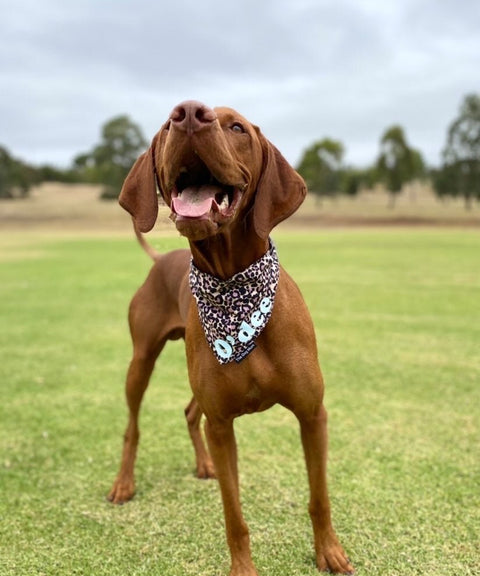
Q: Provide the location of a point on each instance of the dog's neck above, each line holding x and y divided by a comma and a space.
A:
235, 311
226, 254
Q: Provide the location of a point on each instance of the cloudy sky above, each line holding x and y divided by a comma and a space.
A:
300, 69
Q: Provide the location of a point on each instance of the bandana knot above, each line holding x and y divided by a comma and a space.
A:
235, 311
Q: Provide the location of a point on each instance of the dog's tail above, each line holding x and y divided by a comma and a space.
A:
154, 255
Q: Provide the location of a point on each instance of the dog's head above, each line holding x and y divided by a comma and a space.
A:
213, 168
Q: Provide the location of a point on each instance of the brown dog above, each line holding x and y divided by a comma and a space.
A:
227, 187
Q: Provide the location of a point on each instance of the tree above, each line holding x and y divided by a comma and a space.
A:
48, 173
351, 180
460, 173
397, 163
16, 177
444, 182
321, 166
110, 161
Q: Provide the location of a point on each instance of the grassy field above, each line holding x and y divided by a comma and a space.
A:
78, 208
398, 324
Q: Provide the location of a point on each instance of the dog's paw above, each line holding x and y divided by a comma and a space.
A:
121, 492
205, 470
332, 558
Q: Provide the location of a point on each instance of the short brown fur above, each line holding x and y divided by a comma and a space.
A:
282, 369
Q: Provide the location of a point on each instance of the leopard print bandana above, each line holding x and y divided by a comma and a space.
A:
234, 312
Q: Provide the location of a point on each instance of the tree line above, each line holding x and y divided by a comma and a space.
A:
107, 163
321, 165
398, 163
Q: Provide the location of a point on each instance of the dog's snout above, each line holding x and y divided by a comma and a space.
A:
192, 116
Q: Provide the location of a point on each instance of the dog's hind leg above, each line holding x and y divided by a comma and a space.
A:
204, 463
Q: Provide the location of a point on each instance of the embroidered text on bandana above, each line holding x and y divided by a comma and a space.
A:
234, 312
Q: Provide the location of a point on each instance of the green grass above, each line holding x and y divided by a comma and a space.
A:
397, 314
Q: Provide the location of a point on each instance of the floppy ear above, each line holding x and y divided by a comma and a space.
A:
280, 191
139, 193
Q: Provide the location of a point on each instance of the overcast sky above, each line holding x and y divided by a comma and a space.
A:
300, 69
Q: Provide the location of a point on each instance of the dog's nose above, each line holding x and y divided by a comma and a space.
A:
192, 116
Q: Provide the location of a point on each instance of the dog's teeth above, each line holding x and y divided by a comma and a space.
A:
224, 202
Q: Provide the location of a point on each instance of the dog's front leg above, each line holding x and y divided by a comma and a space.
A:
223, 449
329, 553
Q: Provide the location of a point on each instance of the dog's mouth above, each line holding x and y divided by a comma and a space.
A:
198, 195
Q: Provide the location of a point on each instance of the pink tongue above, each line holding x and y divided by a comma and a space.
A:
195, 201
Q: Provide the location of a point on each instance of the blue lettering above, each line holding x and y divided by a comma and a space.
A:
266, 305
256, 319
246, 332
223, 348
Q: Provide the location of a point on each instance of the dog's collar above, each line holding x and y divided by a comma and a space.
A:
235, 311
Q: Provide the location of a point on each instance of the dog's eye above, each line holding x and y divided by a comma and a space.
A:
238, 128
